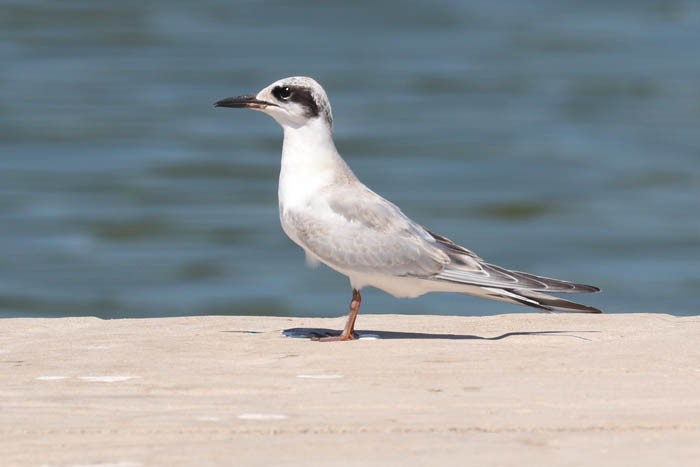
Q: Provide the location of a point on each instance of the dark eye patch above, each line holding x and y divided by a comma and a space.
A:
305, 98
301, 95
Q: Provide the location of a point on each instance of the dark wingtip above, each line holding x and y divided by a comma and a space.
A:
588, 309
583, 309
572, 307
584, 288
552, 303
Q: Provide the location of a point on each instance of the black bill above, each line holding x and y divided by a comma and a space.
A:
242, 102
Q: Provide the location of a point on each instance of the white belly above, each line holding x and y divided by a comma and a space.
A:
402, 286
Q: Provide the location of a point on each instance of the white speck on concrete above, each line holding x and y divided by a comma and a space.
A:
107, 379
262, 416
320, 376
101, 464
367, 337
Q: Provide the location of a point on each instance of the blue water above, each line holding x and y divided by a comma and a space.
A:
561, 139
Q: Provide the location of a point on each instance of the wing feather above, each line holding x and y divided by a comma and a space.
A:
498, 276
353, 229
358, 230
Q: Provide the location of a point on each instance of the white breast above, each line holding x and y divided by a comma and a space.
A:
297, 188
299, 184
310, 162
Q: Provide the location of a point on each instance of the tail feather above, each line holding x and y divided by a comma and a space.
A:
538, 300
557, 304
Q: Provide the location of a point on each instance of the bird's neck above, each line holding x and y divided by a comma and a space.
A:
310, 162
308, 152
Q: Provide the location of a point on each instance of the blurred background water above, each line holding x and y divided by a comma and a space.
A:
561, 138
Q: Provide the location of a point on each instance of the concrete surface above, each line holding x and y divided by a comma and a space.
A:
520, 389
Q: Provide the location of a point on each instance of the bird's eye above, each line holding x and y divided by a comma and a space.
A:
282, 93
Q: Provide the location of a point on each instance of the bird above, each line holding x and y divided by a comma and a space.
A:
338, 221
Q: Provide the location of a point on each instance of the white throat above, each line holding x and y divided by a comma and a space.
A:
308, 145
310, 162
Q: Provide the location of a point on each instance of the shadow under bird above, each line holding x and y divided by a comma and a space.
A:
326, 210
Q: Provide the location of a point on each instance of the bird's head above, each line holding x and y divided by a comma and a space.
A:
293, 102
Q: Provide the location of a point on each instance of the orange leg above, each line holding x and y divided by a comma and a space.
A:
348, 333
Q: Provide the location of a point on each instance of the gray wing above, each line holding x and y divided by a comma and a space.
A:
353, 228
495, 276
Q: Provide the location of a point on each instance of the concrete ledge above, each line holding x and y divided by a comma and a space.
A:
521, 389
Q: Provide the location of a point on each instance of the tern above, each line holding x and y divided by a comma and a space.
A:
326, 210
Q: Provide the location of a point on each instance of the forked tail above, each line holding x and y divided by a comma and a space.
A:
538, 300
